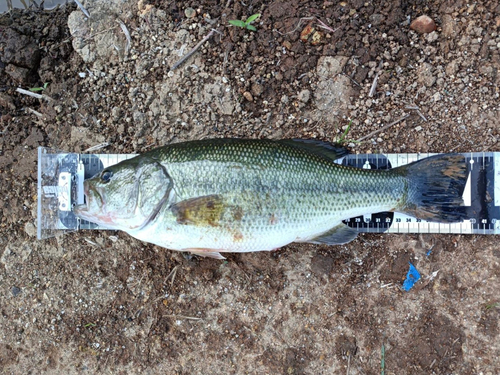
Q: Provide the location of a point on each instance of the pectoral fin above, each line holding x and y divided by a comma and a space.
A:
208, 253
338, 235
202, 211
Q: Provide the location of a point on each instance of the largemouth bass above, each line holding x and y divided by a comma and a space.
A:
242, 195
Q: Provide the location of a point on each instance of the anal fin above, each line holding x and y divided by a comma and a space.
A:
338, 235
206, 253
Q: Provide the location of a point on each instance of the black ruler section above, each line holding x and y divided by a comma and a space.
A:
479, 198
482, 211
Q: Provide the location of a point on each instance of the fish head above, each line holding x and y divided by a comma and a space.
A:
127, 195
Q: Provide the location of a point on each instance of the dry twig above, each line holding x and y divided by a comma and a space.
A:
373, 89
127, 35
97, 147
82, 8
190, 53
383, 128
38, 96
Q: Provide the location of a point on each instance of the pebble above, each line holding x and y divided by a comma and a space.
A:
304, 96
423, 25
7, 102
376, 19
15, 291
248, 96
30, 229
425, 75
257, 89
190, 12
448, 26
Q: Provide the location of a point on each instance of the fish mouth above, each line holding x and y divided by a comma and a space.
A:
89, 193
81, 209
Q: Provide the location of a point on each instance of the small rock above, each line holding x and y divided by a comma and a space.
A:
248, 96
423, 25
20, 50
449, 26
190, 12
432, 37
257, 89
18, 74
376, 19
15, 291
7, 102
452, 68
316, 38
330, 66
304, 96
306, 33
30, 229
425, 75
116, 113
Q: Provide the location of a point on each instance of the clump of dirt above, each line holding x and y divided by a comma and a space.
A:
102, 301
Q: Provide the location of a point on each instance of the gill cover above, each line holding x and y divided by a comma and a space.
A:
127, 195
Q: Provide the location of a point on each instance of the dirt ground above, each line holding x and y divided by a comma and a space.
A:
103, 302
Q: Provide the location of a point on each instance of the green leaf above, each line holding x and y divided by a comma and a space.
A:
238, 23
250, 27
252, 18
35, 89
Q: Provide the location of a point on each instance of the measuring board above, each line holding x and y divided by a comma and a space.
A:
61, 176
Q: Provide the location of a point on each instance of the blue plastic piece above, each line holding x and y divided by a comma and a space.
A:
411, 278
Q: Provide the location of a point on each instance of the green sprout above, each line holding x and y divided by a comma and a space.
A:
246, 24
343, 138
35, 89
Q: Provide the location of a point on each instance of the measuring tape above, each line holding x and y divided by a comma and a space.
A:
61, 176
481, 197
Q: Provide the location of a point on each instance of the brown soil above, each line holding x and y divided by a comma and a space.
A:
102, 302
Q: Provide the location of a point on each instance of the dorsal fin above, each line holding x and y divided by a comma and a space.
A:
328, 150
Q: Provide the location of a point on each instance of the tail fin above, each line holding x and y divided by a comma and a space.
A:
435, 188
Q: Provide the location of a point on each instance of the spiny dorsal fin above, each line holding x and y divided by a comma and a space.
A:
328, 150
338, 235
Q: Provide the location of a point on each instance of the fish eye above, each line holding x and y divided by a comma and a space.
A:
106, 176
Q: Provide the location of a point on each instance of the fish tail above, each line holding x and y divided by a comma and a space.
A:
435, 188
